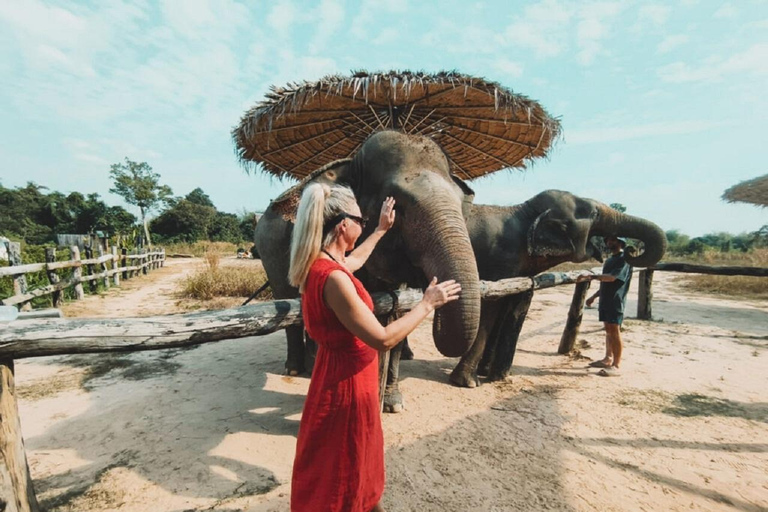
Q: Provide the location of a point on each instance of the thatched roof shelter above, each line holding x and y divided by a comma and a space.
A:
482, 126
753, 191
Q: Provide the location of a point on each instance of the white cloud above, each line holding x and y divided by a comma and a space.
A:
330, 17
386, 36
595, 20
727, 10
508, 67
752, 61
363, 24
542, 28
669, 43
282, 16
620, 133
655, 13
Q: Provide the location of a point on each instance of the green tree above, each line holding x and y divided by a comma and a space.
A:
185, 221
140, 186
197, 196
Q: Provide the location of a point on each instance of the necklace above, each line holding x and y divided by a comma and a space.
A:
330, 256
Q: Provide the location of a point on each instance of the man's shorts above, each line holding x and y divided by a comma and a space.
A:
611, 317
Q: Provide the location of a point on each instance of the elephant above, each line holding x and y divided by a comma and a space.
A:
523, 240
429, 237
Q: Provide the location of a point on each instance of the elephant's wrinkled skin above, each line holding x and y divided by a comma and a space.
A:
429, 237
551, 228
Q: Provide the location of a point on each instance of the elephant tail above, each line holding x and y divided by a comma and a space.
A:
256, 293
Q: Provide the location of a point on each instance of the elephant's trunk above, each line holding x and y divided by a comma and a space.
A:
613, 222
441, 248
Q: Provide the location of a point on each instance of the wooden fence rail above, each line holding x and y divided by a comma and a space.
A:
98, 268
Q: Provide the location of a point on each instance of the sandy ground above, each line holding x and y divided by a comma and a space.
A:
685, 427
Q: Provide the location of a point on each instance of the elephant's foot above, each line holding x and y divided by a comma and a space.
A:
484, 369
393, 401
293, 369
464, 378
497, 376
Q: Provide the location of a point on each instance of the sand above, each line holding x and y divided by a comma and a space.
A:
212, 428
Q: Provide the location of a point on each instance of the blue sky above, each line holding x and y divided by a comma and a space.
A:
664, 105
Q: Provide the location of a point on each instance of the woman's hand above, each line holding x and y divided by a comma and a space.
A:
439, 294
387, 215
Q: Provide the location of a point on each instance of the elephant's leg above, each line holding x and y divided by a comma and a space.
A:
393, 399
294, 363
502, 305
508, 336
407, 353
465, 373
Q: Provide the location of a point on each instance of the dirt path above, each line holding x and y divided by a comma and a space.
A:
213, 428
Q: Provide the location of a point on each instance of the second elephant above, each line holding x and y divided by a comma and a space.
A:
523, 240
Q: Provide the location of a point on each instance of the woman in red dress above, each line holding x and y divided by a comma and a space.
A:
339, 465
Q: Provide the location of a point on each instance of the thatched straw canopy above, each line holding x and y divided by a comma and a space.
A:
482, 126
753, 191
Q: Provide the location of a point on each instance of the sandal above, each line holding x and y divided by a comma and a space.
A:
611, 371
599, 364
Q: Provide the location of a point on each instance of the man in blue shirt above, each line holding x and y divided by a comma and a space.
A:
614, 284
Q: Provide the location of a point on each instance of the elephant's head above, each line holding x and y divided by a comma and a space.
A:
562, 225
429, 237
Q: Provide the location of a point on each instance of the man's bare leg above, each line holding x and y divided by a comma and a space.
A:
613, 342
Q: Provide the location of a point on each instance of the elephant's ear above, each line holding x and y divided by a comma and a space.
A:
548, 237
468, 196
287, 203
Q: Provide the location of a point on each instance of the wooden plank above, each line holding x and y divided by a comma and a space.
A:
708, 269
105, 271
64, 264
645, 295
16, 491
575, 314
78, 273
53, 277
76, 336
115, 266
19, 281
40, 292
22, 269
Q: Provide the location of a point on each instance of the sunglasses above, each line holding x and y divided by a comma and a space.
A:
362, 221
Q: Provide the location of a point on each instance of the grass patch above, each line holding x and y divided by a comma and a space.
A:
202, 248
735, 286
215, 281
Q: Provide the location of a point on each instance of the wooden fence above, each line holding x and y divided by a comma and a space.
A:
104, 268
22, 339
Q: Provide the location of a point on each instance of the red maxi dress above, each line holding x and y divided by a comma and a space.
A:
339, 465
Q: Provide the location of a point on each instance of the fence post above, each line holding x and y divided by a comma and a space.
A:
20, 281
77, 274
92, 284
145, 261
162, 258
104, 268
16, 490
645, 295
124, 252
575, 314
53, 277
115, 266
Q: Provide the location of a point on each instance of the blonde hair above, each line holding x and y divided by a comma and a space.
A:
319, 203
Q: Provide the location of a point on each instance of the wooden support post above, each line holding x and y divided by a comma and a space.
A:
77, 274
115, 266
645, 295
124, 251
162, 258
16, 491
575, 313
20, 281
53, 277
90, 270
144, 262
104, 267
